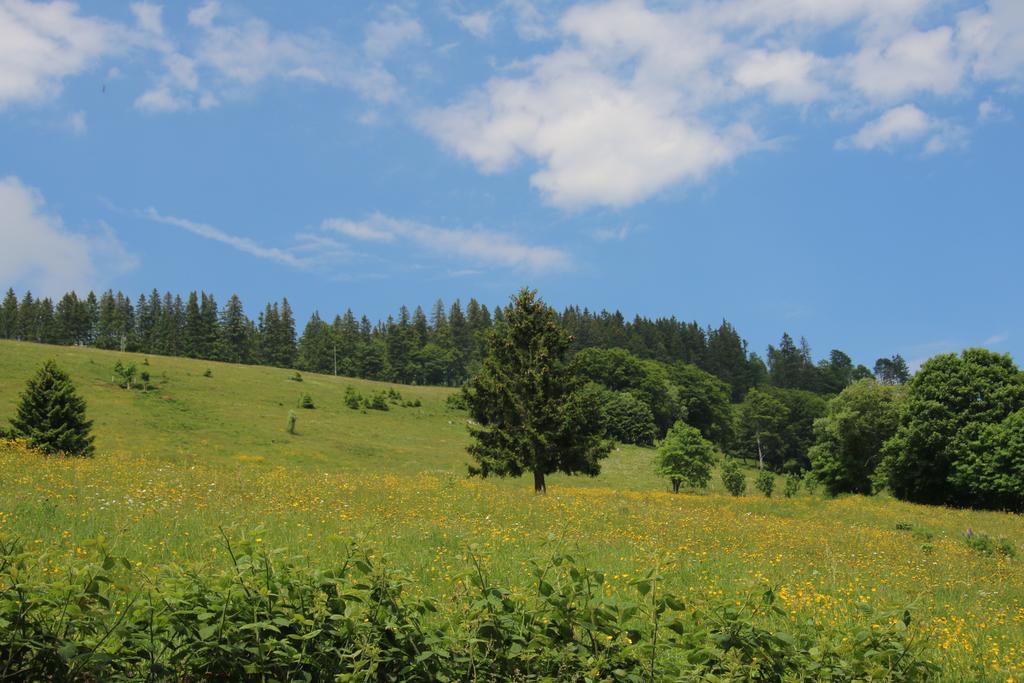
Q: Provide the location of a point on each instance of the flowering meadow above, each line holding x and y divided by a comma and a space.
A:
866, 585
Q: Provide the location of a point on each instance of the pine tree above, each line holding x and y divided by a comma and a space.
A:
193, 332
26, 317
285, 341
233, 339
51, 416
9, 316
316, 347
530, 418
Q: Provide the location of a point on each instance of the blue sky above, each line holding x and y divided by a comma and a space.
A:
848, 171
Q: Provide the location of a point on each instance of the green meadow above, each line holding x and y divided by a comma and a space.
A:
204, 456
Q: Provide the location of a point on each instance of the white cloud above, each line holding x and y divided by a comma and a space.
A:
900, 124
387, 35
479, 246
43, 255
149, 17
787, 75
478, 24
904, 124
989, 110
41, 44
641, 96
76, 123
612, 234
918, 61
994, 36
233, 53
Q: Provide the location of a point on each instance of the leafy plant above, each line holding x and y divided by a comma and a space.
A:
353, 399
792, 485
306, 402
989, 545
291, 422
733, 479
765, 483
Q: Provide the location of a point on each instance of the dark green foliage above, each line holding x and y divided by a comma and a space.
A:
733, 479
379, 401
268, 617
850, 436
792, 486
703, 402
353, 399
620, 371
949, 447
762, 420
987, 545
295, 377
627, 419
51, 416
892, 370
765, 483
456, 401
306, 401
990, 466
208, 373
684, 456
530, 416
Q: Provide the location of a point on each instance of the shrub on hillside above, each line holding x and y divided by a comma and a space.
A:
306, 401
378, 401
353, 399
792, 486
733, 479
765, 483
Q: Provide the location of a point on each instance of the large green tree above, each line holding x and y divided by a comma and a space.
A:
685, 456
529, 415
951, 402
51, 416
849, 438
761, 429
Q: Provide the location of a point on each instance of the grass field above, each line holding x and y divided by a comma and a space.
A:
200, 453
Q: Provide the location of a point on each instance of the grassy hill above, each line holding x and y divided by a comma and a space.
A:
198, 454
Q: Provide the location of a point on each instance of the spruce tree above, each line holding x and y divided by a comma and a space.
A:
529, 415
51, 416
9, 316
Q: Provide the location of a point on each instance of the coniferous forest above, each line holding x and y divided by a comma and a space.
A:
441, 347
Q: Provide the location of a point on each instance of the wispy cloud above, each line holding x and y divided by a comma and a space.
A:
242, 244
477, 246
321, 249
997, 339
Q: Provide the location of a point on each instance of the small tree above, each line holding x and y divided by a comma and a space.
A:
733, 479
51, 416
126, 373
306, 401
685, 456
529, 416
291, 422
765, 483
792, 484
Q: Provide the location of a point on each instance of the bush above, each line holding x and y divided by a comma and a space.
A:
306, 402
353, 399
792, 486
268, 617
51, 416
394, 396
414, 403
378, 401
124, 374
765, 483
297, 377
208, 373
987, 545
291, 422
685, 456
457, 401
733, 479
